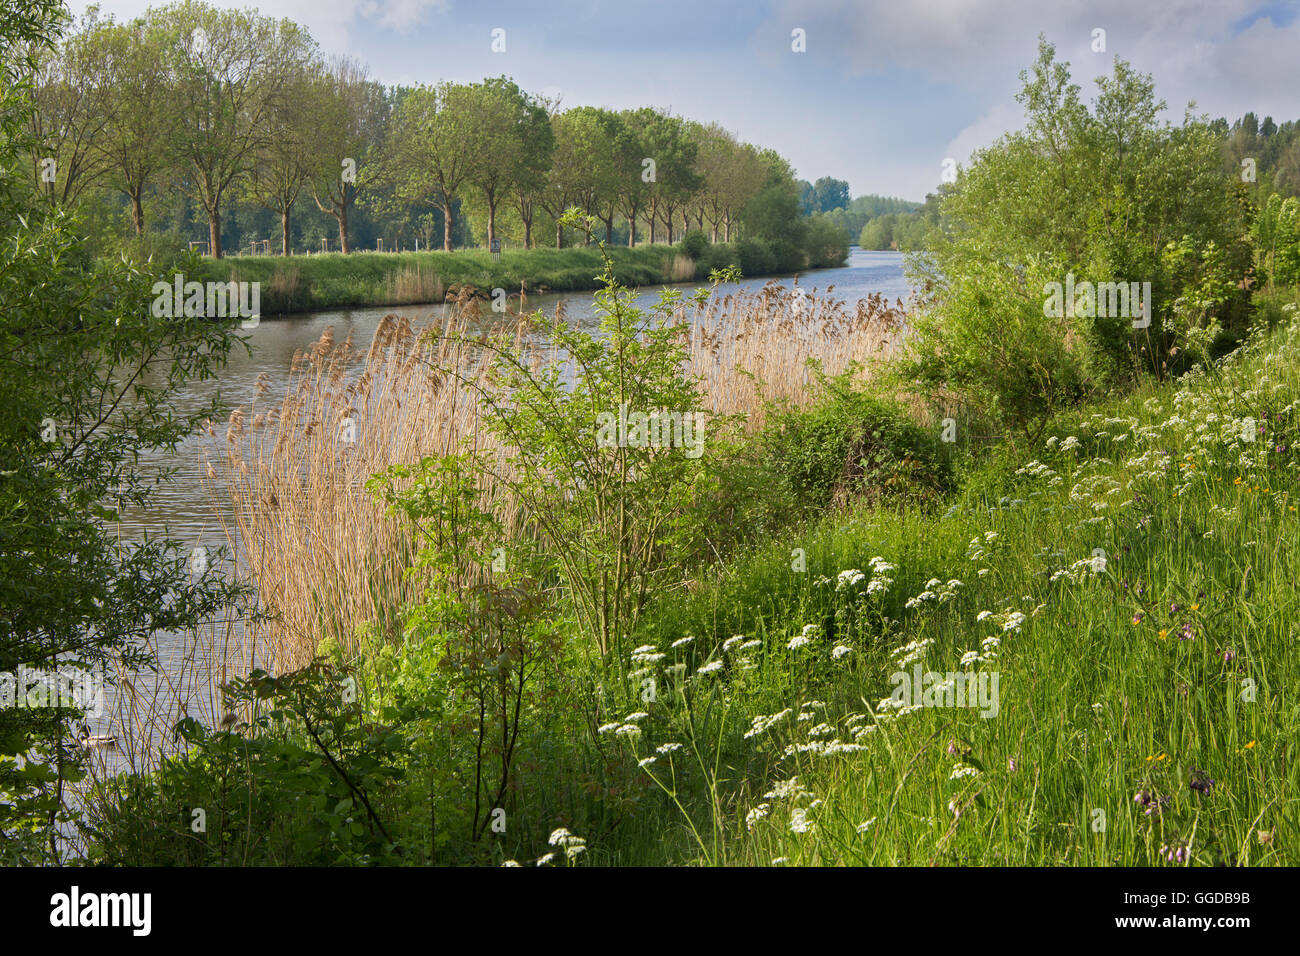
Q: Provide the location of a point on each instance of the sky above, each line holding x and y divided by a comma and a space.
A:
882, 94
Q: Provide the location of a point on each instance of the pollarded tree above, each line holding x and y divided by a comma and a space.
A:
595, 136
133, 141
227, 71
346, 131
285, 162
511, 142
633, 188
430, 153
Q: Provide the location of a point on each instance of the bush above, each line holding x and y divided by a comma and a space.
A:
694, 243
849, 446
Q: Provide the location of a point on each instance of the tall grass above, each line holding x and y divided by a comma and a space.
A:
323, 555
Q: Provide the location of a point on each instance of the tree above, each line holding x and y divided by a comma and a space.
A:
227, 72
133, 142
829, 194
73, 92
597, 139
430, 155
89, 380
511, 142
285, 162
350, 125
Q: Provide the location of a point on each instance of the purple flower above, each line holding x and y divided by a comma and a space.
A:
1229, 655
1202, 782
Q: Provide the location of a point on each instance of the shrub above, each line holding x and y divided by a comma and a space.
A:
694, 243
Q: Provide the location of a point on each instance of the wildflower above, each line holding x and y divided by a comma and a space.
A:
710, 668
799, 821
962, 771
646, 762
983, 616
848, 579
840, 650
758, 813
1011, 764
545, 860
762, 723
509, 863
730, 642
750, 645
1202, 783
682, 641
630, 731
668, 748
865, 825
1013, 621
606, 728
638, 715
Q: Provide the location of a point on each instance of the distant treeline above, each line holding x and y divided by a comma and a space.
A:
197, 125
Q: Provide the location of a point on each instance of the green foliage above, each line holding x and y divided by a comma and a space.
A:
694, 244
88, 382
1100, 195
296, 785
847, 447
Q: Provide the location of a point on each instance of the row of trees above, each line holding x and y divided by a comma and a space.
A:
233, 108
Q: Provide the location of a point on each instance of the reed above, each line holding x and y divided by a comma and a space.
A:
322, 553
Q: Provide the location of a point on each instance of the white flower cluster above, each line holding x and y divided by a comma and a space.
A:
764, 722
936, 591
910, 653
573, 845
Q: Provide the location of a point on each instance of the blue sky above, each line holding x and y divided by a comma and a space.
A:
884, 93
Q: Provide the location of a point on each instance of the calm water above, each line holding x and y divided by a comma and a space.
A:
185, 508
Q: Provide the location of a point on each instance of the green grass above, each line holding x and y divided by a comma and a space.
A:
1164, 673
333, 280
1101, 696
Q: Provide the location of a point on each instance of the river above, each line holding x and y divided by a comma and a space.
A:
186, 508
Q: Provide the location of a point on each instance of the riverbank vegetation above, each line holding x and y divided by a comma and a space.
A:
308, 283
765, 578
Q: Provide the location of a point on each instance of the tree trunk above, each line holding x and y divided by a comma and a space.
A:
342, 217
284, 231
137, 210
492, 218
609, 230
654, 215
214, 233
559, 236
446, 227
528, 233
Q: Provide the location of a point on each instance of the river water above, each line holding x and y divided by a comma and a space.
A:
186, 507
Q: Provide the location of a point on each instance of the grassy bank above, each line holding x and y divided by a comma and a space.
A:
1121, 592
333, 280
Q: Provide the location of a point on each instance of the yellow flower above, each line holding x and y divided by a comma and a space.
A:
1164, 633
1196, 607
1251, 745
